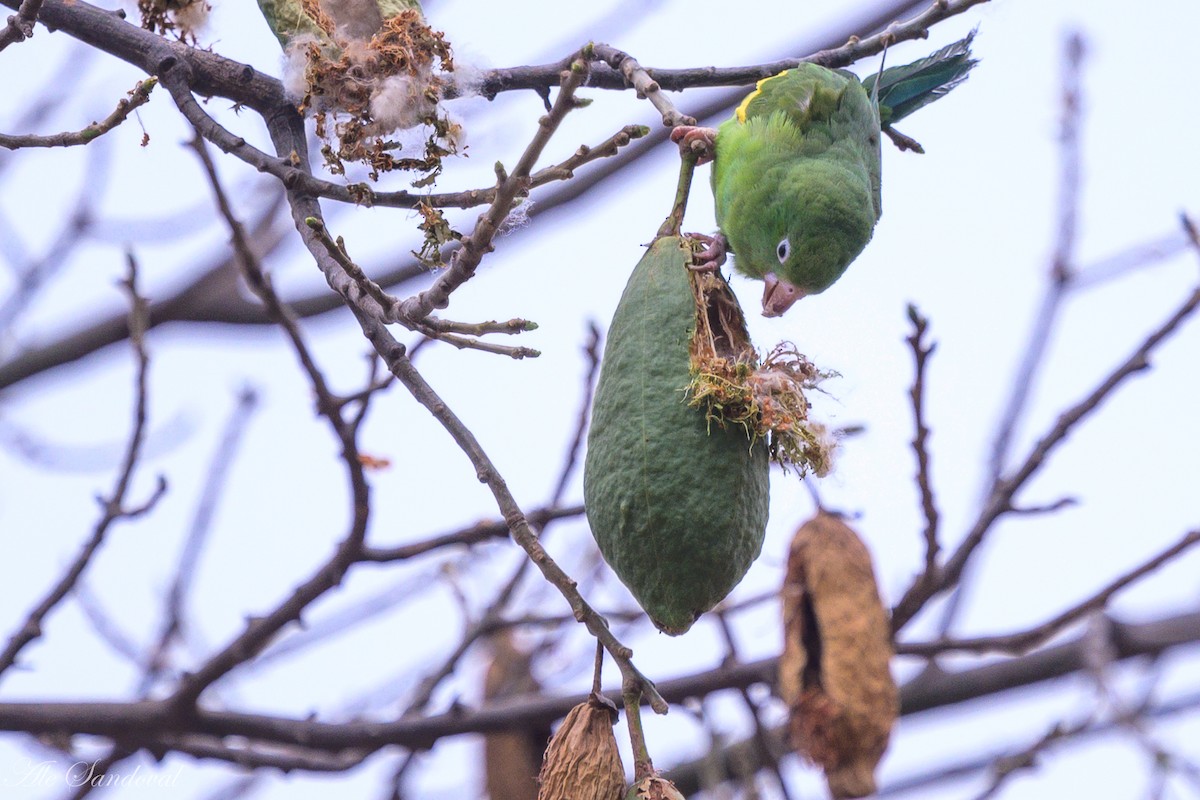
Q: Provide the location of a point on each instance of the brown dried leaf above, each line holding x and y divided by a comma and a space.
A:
834, 672
582, 761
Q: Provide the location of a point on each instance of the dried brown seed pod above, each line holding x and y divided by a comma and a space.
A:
834, 672
654, 788
582, 761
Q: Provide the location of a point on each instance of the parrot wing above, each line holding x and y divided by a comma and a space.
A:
809, 95
903, 90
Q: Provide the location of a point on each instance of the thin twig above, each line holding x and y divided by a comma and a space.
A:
591, 352
1059, 285
921, 352
475, 631
175, 612
640, 80
466, 343
762, 734
260, 630
20, 26
1134, 257
440, 329
544, 76
976, 764
114, 506
631, 694
142, 719
510, 327
1023, 642
479, 532
1001, 501
34, 274
1061, 270
106, 627
1046, 508
512, 188
252, 756
331, 624
138, 96
337, 251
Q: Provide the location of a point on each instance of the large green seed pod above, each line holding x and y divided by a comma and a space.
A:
677, 504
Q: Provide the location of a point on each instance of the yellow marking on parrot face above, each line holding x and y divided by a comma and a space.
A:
741, 110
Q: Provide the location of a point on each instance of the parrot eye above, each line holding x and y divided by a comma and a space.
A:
782, 250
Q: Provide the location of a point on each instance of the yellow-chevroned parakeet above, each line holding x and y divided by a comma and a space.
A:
796, 169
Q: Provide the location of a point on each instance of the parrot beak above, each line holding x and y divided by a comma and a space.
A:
778, 295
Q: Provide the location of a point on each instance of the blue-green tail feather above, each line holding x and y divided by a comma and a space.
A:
902, 90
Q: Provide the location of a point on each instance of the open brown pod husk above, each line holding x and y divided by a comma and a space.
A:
582, 761
834, 672
764, 396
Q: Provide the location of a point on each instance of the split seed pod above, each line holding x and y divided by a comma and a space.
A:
834, 672
582, 761
678, 506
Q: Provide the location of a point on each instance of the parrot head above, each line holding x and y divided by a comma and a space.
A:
818, 218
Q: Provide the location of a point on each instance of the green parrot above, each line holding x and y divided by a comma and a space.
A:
796, 169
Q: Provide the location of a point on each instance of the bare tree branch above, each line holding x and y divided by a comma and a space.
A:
259, 631
971, 766
463, 266
936, 688
479, 532
143, 721
1060, 279
138, 96
591, 352
1001, 500
20, 26
155, 662
114, 506
921, 352
216, 76
1024, 641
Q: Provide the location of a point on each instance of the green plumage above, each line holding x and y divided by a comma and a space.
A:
796, 175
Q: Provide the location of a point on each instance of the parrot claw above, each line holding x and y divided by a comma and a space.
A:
697, 140
711, 257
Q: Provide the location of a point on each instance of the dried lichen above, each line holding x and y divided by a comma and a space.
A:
183, 18
438, 233
363, 90
765, 396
